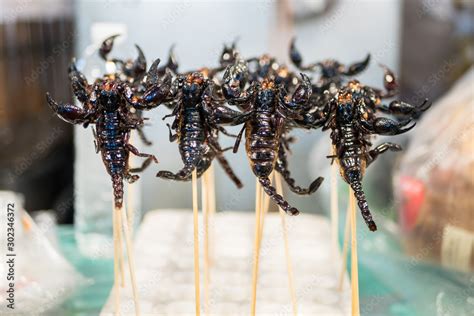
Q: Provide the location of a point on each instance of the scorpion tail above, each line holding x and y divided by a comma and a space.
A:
271, 191
117, 183
362, 202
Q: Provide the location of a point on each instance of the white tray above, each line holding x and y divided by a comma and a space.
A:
164, 263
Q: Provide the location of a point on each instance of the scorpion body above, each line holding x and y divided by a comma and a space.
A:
196, 130
104, 104
350, 148
352, 120
268, 111
262, 134
112, 145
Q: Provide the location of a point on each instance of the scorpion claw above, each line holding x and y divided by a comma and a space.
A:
52, 104
295, 55
356, 68
139, 65
107, 46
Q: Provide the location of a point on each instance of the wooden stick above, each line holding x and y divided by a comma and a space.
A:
264, 207
354, 259
212, 210
205, 212
131, 259
212, 190
119, 242
131, 194
256, 257
196, 244
334, 209
289, 265
116, 263
131, 191
345, 247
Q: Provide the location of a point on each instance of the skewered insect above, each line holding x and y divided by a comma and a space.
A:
104, 105
352, 123
268, 109
194, 110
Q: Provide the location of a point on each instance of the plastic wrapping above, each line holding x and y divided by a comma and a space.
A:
435, 183
37, 278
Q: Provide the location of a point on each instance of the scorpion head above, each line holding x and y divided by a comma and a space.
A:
193, 85
345, 107
109, 94
267, 92
235, 78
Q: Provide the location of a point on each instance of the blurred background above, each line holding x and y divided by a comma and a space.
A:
428, 44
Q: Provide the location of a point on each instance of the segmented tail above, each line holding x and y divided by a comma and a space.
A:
363, 205
271, 191
117, 183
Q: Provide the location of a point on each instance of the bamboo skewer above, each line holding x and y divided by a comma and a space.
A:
289, 265
354, 259
131, 259
119, 242
205, 212
196, 243
334, 209
258, 206
116, 264
345, 247
131, 193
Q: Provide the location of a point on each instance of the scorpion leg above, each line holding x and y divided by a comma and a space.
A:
282, 167
277, 198
97, 143
182, 175
143, 137
238, 139
225, 132
172, 137
144, 165
374, 153
131, 178
223, 161
135, 151
228, 170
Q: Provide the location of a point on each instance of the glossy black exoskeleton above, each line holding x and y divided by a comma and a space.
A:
194, 110
268, 109
104, 105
